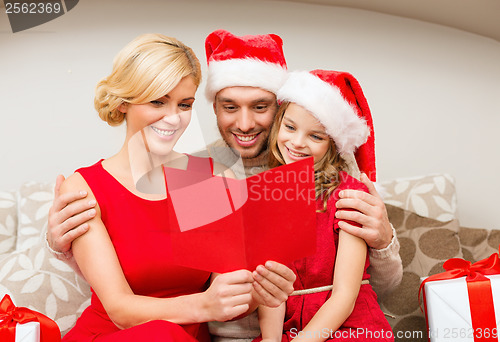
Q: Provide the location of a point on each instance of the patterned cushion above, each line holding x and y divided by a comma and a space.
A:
430, 196
477, 243
425, 245
37, 280
31, 275
35, 200
8, 223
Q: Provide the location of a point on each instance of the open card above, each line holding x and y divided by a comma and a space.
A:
221, 224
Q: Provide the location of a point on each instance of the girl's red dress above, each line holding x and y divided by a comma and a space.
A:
367, 321
137, 227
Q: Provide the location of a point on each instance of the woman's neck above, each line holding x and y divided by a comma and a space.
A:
141, 172
136, 157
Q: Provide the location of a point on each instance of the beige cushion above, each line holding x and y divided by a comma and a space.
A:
430, 196
35, 200
8, 223
31, 275
477, 243
39, 281
425, 245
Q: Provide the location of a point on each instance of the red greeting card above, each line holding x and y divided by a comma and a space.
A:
221, 224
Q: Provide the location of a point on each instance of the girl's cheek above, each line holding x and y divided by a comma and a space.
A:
282, 133
318, 157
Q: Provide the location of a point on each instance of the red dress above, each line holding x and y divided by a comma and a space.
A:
317, 270
140, 236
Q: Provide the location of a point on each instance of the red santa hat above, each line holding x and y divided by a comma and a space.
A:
254, 61
337, 101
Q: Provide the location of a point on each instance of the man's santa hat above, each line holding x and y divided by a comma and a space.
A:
253, 61
337, 101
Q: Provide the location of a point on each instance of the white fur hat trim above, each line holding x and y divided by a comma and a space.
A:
327, 104
243, 72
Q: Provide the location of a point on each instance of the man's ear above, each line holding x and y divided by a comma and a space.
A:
123, 107
215, 107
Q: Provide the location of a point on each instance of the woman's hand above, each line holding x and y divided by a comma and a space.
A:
229, 296
273, 284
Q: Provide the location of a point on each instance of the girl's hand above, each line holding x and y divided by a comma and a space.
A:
229, 296
369, 212
273, 284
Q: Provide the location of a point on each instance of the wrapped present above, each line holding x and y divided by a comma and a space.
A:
28, 332
22, 324
461, 304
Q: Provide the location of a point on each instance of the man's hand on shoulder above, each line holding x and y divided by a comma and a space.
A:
67, 218
369, 212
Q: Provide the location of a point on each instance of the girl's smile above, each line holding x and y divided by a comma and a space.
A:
296, 155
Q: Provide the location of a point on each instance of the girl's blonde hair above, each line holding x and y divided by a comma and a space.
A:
326, 170
146, 69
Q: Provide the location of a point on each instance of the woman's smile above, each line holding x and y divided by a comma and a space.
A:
163, 133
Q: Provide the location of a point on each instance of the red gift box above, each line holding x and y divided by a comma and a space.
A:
479, 292
10, 315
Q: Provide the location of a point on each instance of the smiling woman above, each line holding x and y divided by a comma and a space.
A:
128, 84
151, 88
161, 122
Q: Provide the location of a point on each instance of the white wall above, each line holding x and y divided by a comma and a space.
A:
434, 91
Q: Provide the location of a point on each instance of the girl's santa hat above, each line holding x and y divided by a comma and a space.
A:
337, 101
253, 61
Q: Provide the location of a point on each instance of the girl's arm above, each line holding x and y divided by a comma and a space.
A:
386, 268
271, 322
228, 296
349, 267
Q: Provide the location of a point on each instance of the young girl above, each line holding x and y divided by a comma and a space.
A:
324, 115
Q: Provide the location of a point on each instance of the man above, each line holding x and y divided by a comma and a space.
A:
244, 74
242, 84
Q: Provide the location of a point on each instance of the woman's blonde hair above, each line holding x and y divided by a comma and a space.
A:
326, 170
146, 69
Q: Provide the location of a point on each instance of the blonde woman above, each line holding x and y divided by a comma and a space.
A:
137, 294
